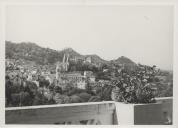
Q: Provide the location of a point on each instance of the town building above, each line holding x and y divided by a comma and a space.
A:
77, 78
88, 59
89, 75
63, 77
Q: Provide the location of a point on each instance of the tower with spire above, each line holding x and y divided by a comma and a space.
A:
62, 66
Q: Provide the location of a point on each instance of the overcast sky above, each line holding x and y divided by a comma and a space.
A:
141, 33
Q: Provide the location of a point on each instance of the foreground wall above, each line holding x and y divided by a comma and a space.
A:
148, 114
159, 113
107, 112
167, 109
79, 113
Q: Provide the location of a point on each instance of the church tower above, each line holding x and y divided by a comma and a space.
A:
62, 66
67, 63
57, 71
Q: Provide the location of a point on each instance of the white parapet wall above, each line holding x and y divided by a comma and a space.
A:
76, 113
138, 114
125, 113
158, 113
106, 112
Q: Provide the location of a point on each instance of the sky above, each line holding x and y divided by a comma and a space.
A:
142, 33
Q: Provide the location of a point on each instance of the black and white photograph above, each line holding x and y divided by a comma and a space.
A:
87, 64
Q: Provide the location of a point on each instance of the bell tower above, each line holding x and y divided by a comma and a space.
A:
57, 70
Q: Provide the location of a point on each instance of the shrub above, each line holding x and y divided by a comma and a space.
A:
137, 93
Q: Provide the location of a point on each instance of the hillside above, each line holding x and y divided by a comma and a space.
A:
123, 60
128, 63
31, 51
71, 52
96, 59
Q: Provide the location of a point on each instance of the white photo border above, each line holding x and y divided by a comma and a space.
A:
87, 3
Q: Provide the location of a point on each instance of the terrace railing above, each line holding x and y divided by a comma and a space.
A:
105, 113
76, 113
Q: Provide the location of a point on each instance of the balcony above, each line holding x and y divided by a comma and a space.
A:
95, 113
